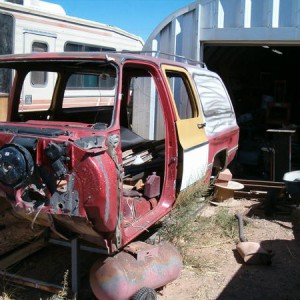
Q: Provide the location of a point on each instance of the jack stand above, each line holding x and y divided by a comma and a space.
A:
75, 259
75, 265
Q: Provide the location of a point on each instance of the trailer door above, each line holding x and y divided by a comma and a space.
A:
38, 85
193, 160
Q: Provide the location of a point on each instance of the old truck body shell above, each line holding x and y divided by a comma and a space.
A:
108, 171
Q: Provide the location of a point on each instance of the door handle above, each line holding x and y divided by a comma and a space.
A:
201, 125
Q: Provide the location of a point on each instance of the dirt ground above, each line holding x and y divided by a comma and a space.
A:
225, 275
217, 271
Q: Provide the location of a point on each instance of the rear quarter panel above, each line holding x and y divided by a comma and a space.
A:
218, 113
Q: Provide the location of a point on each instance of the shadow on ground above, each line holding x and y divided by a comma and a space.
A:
280, 280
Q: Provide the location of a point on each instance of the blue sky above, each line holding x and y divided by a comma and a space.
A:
139, 17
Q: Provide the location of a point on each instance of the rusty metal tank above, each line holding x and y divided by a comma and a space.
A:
140, 265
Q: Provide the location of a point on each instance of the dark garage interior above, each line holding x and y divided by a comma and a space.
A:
264, 87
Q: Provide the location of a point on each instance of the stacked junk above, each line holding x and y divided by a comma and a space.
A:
282, 184
162, 264
156, 266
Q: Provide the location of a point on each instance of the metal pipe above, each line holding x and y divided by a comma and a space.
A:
37, 284
241, 227
75, 265
81, 247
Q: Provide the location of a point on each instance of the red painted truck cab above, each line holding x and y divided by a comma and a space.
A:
112, 140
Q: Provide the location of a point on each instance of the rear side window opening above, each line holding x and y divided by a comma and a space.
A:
216, 104
213, 96
186, 109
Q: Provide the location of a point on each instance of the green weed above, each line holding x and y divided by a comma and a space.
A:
227, 223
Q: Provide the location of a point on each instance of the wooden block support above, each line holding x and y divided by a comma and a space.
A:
225, 175
20, 254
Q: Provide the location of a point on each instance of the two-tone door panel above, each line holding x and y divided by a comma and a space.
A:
193, 155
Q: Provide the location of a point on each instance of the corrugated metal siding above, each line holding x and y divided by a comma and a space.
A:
176, 32
223, 21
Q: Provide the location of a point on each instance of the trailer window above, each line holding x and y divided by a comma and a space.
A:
6, 34
6, 47
76, 47
88, 81
5, 80
36, 97
39, 78
89, 90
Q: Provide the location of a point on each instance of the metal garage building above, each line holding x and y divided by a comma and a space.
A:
253, 45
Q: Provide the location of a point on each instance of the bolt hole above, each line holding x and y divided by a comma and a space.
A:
60, 205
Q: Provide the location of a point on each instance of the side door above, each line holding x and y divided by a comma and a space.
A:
38, 85
193, 155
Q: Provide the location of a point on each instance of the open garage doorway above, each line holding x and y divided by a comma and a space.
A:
264, 85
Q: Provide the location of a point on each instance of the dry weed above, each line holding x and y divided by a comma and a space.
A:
7, 291
4, 296
188, 231
63, 294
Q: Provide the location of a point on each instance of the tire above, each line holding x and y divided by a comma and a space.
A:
145, 294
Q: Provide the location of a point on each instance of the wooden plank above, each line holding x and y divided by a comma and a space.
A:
261, 185
260, 182
250, 195
21, 253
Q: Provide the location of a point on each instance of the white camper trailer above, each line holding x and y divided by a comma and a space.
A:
39, 26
